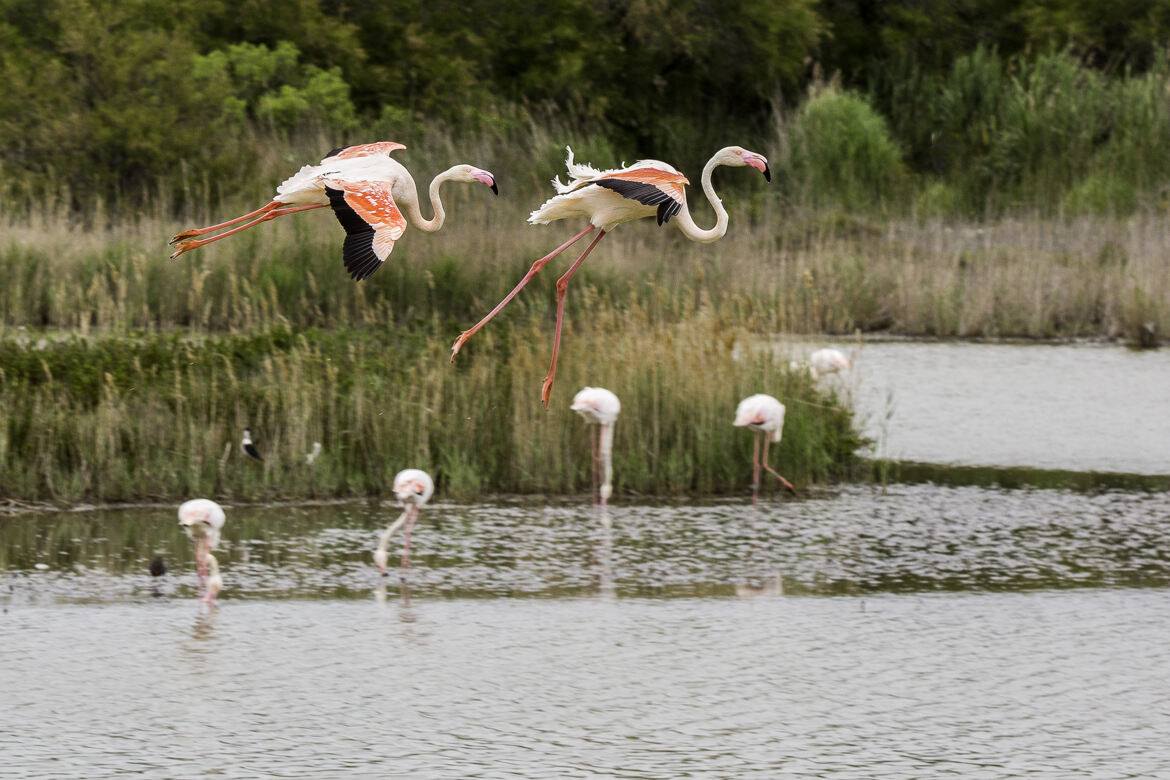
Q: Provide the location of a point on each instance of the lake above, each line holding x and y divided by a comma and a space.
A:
916, 630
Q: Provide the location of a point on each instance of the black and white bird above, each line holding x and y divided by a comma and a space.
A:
248, 447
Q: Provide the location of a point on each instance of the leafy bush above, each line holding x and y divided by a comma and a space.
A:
841, 152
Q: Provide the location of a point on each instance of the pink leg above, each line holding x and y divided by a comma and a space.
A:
409, 528
562, 286
200, 561
190, 244
594, 437
212, 228
756, 469
787, 484
533, 271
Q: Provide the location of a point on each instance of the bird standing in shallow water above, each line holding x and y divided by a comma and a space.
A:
600, 406
765, 416
248, 447
828, 361
203, 519
608, 198
158, 566
413, 488
364, 186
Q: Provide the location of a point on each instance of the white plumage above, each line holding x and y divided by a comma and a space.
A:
414, 488
828, 361
597, 405
600, 406
764, 415
203, 520
761, 412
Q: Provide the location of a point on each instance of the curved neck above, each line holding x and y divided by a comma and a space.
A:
415, 215
385, 541
687, 224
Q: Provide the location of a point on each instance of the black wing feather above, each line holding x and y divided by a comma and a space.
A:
338, 150
251, 450
646, 194
358, 249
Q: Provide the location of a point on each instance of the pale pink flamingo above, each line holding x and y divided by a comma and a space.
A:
203, 519
609, 198
413, 488
364, 186
828, 361
765, 416
600, 406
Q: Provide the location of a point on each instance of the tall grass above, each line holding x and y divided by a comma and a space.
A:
789, 272
120, 418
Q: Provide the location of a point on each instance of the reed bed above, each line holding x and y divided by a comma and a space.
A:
159, 416
790, 271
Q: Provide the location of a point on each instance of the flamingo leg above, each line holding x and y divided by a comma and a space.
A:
594, 437
201, 561
533, 271
756, 469
212, 228
786, 483
409, 528
190, 244
562, 286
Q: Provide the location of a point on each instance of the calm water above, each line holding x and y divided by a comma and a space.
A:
927, 631
1088, 408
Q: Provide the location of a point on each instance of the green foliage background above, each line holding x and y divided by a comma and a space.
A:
964, 107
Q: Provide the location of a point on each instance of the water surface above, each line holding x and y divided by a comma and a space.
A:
1078, 407
924, 631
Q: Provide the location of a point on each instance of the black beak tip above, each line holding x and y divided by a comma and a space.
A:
495, 189
767, 173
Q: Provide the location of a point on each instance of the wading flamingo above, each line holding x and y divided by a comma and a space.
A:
365, 187
413, 488
765, 416
609, 198
202, 519
828, 361
600, 406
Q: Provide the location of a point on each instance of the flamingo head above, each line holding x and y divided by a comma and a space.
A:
738, 156
470, 173
380, 560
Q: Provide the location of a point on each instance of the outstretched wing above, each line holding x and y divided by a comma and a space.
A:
363, 150
372, 223
649, 186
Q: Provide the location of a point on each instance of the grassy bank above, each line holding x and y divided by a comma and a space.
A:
783, 271
159, 416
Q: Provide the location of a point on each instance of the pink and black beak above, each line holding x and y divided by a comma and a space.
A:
485, 177
759, 162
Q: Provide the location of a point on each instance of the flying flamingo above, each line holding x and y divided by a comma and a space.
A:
600, 406
764, 415
202, 519
609, 198
413, 488
828, 361
364, 186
